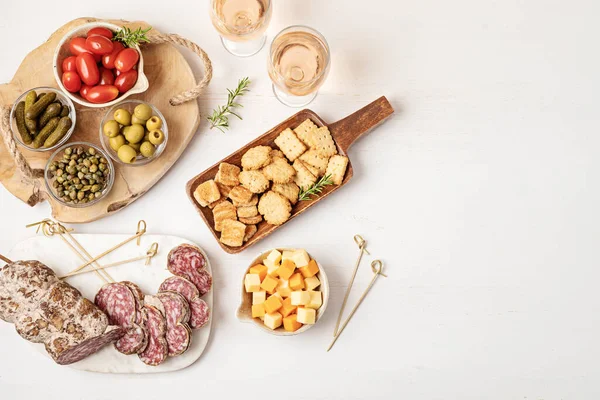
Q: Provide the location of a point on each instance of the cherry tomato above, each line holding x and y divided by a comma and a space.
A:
100, 30
69, 64
77, 46
106, 77
99, 44
126, 59
126, 80
108, 60
71, 81
87, 69
84, 90
102, 94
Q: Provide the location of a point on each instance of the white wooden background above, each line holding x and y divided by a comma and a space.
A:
480, 195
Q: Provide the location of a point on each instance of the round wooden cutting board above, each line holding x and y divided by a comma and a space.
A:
169, 74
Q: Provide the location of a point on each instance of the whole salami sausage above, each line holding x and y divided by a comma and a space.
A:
158, 349
199, 309
188, 262
177, 314
72, 353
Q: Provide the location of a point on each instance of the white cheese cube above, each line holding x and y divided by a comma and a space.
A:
271, 267
278, 296
315, 300
300, 298
259, 297
274, 256
300, 258
252, 283
287, 255
283, 288
273, 320
305, 315
312, 283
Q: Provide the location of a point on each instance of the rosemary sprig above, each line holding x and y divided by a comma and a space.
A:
315, 189
219, 118
131, 38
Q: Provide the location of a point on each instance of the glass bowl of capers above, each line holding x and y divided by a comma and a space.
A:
133, 133
79, 174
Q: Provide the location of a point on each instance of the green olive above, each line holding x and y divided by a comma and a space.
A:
154, 123
123, 116
134, 133
127, 154
143, 111
157, 137
111, 128
136, 120
136, 146
147, 149
116, 142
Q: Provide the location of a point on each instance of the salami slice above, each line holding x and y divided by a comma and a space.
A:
155, 302
134, 341
177, 314
118, 302
158, 349
188, 262
138, 295
76, 352
198, 308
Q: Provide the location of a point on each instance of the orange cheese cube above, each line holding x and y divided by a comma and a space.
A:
269, 284
291, 323
273, 320
296, 282
258, 310
260, 270
272, 304
286, 269
310, 270
287, 308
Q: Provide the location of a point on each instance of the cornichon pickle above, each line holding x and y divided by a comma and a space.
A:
65, 111
30, 123
44, 133
53, 110
20, 117
61, 130
39, 106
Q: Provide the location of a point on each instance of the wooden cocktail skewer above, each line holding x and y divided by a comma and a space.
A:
149, 254
6, 260
376, 266
362, 245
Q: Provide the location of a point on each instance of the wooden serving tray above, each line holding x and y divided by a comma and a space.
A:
344, 132
169, 74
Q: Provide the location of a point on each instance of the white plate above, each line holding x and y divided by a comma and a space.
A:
53, 252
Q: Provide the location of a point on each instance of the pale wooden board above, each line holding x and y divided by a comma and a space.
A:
169, 74
53, 252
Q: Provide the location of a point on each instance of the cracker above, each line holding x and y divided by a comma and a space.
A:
253, 201
337, 168
288, 190
305, 130
289, 143
233, 233
279, 171
206, 193
222, 212
228, 174
275, 208
250, 231
256, 158
214, 203
312, 157
247, 211
304, 178
254, 181
313, 170
224, 189
240, 194
323, 143
251, 220
277, 154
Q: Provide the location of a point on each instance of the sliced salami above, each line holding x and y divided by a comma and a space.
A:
154, 301
158, 349
198, 308
118, 302
70, 354
188, 262
138, 295
177, 314
134, 341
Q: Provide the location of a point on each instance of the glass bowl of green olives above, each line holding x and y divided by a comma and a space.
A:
79, 174
133, 133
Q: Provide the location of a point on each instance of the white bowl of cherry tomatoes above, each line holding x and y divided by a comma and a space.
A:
98, 65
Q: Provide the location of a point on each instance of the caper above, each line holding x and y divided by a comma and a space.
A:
93, 168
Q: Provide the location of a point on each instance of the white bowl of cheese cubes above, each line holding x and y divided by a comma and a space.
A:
284, 292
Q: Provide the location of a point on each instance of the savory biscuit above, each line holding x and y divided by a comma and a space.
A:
250, 231
304, 131
279, 171
240, 194
289, 143
233, 233
277, 154
214, 203
222, 212
224, 189
254, 181
247, 211
256, 158
313, 158
303, 178
228, 174
206, 193
337, 168
322, 142
275, 208
251, 220
288, 190
313, 170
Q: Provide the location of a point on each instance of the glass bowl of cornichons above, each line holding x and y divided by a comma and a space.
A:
42, 119
79, 174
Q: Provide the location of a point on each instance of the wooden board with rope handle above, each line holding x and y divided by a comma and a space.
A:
173, 90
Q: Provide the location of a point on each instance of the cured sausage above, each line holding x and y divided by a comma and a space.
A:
138, 296
198, 308
188, 262
177, 314
76, 352
158, 349
134, 341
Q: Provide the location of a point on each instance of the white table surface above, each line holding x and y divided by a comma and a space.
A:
479, 195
